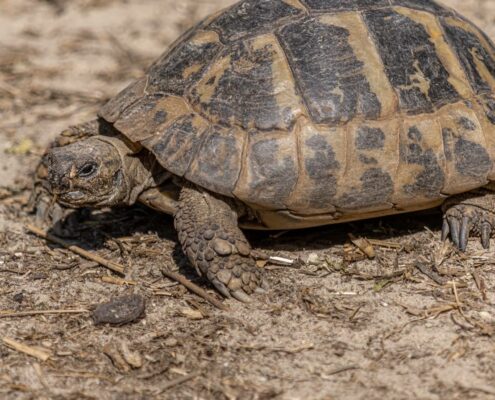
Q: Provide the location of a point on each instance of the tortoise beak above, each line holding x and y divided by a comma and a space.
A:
61, 170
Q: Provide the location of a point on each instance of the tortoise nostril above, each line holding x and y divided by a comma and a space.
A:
64, 183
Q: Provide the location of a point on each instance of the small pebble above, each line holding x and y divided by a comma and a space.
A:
313, 259
19, 297
37, 276
171, 342
120, 311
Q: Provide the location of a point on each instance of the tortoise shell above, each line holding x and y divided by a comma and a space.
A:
320, 111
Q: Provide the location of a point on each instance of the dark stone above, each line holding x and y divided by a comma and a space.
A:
38, 276
330, 76
18, 297
120, 311
406, 50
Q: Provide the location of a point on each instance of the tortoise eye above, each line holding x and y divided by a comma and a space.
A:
87, 170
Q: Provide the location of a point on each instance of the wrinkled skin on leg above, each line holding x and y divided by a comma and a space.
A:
214, 244
469, 213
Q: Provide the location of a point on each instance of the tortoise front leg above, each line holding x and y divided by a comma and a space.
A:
472, 212
214, 244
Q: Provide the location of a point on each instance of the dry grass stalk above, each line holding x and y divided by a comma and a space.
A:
117, 281
24, 348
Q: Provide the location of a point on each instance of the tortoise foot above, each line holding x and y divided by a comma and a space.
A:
214, 244
462, 220
235, 276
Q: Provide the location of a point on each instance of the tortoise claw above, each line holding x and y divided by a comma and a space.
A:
464, 233
454, 230
221, 288
241, 296
445, 229
486, 231
462, 219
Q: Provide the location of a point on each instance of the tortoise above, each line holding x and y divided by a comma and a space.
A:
286, 114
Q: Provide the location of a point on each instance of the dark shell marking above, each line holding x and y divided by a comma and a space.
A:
177, 70
472, 159
344, 5
471, 52
370, 138
341, 92
179, 146
430, 181
269, 183
376, 188
251, 17
411, 62
244, 90
218, 163
422, 5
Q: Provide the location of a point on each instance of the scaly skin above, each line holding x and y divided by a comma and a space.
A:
41, 201
214, 244
472, 212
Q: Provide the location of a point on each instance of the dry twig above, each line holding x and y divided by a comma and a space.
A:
430, 273
4, 314
175, 382
113, 266
195, 289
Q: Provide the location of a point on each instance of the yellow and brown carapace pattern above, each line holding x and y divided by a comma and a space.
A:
320, 111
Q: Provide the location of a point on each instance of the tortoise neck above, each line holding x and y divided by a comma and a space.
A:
144, 173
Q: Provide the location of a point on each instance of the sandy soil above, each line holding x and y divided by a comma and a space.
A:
337, 327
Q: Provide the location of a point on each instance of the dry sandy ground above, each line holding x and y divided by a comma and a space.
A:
339, 327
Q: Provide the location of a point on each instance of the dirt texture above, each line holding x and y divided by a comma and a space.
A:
416, 321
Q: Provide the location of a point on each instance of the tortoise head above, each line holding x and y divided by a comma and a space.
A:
89, 172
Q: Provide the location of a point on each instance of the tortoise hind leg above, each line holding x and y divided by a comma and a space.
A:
214, 244
472, 212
